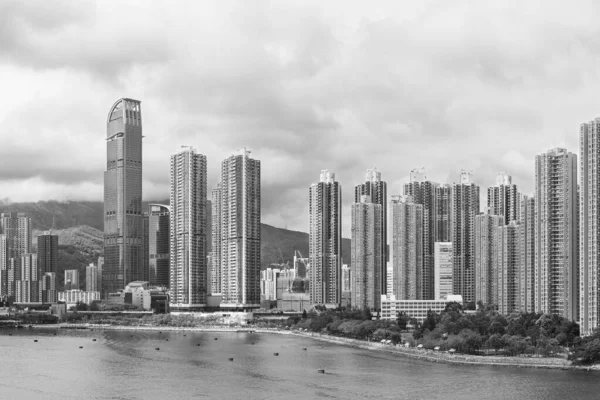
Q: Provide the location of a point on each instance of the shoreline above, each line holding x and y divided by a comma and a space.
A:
424, 355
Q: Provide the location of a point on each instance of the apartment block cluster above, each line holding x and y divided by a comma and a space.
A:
201, 265
435, 242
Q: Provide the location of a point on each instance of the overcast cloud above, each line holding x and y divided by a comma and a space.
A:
445, 85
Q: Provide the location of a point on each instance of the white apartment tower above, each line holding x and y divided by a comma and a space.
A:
443, 270
366, 255
556, 234
325, 240
188, 284
91, 278
465, 206
240, 232
589, 209
406, 227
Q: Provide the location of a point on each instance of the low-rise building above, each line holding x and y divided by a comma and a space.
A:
72, 297
390, 307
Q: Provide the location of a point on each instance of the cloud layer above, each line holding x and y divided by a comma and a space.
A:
443, 85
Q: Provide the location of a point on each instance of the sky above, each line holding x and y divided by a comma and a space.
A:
304, 85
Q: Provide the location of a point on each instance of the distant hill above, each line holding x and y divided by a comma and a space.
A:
79, 225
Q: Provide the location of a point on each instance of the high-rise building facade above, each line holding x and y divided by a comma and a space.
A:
487, 245
406, 228
503, 199
240, 232
556, 234
91, 278
527, 254
465, 206
159, 245
589, 225
48, 293
27, 284
376, 189
325, 239
188, 286
424, 192
123, 226
346, 279
443, 270
47, 252
366, 254
217, 239
443, 198
15, 243
71, 279
507, 266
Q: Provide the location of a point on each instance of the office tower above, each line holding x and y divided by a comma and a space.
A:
27, 286
487, 246
589, 225
443, 270
91, 278
16, 228
217, 242
366, 254
187, 219
443, 199
507, 265
376, 189
48, 293
465, 206
145, 275
406, 227
556, 233
71, 279
346, 278
123, 226
424, 192
503, 199
47, 252
158, 245
240, 231
527, 254
325, 239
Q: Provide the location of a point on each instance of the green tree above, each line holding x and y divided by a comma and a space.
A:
304, 314
402, 320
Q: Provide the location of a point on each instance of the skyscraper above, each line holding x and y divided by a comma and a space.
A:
91, 278
187, 219
27, 285
487, 245
240, 231
465, 206
16, 228
443, 270
158, 245
47, 252
556, 233
443, 198
527, 254
4, 262
366, 254
507, 261
325, 239
589, 225
503, 199
406, 227
123, 229
217, 236
48, 293
424, 192
71, 279
376, 189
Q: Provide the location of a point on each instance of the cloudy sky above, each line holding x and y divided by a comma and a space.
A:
305, 85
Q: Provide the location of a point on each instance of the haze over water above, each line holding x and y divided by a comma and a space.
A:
125, 365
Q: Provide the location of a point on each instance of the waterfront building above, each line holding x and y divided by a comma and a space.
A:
527, 254
27, 283
47, 252
556, 234
48, 293
159, 245
418, 309
503, 199
376, 189
91, 278
240, 232
74, 296
325, 240
442, 270
16, 228
123, 225
507, 264
268, 283
406, 227
465, 206
366, 254
424, 192
188, 286
487, 246
71, 279
589, 225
